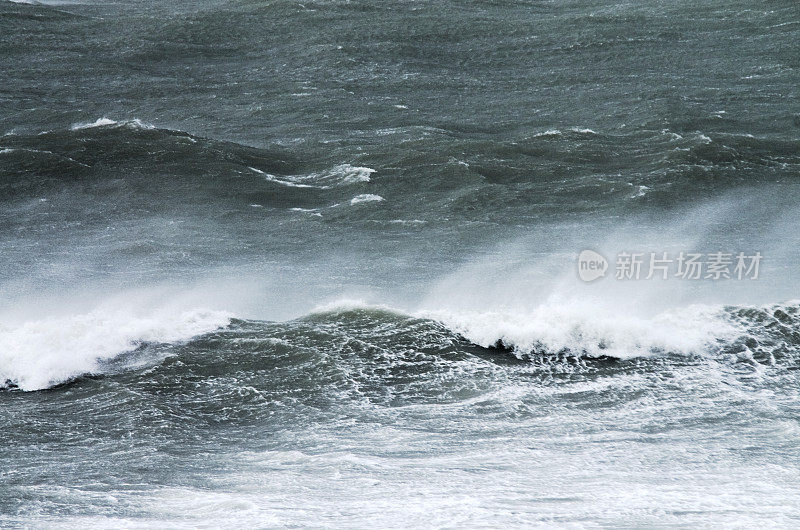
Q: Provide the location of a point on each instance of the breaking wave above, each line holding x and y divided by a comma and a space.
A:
579, 331
43, 353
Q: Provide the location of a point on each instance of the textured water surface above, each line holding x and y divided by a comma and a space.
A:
272, 263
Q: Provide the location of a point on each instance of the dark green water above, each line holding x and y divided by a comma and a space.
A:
313, 263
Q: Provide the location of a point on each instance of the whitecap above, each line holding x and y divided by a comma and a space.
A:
272, 178
577, 328
366, 197
134, 123
341, 175
550, 132
406, 222
99, 122
41, 353
641, 191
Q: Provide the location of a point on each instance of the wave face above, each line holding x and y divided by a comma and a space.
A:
189, 190
263, 402
48, 353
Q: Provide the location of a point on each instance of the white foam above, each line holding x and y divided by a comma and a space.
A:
550, 132
407, 222
100, 122
351, 174
345, 304
557, 132
341, 175
581, 328
314, 212
104, 122
366, 197
342, 304
41, 353
641, 191
272, 178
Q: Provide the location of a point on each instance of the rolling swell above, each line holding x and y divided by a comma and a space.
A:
129, 166
136, 158
151, 194
388, 356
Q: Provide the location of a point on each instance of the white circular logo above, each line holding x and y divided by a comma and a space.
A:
591, 265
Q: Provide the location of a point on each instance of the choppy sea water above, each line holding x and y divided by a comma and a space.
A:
271, 263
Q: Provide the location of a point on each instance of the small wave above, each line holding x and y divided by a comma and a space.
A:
410, 222
43, 353
314, 212
344, 174
366, 197
550, 132
341, 175
283, 182
100, 122
640, 191
107, 122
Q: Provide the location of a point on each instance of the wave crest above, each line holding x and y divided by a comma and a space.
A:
580, 331
134, 123
42, 353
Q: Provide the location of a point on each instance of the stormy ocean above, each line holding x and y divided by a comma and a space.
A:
317, 263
